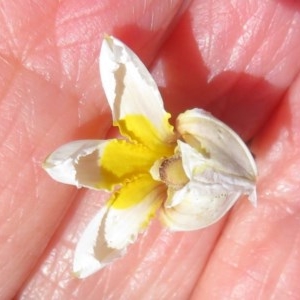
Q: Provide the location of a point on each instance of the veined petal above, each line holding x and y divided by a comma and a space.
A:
200, 205
76, 163
204, 169
216, 140
131, 210
207, 171
131, 91
92, 253
208, 195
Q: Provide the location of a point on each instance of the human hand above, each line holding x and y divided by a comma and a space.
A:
240, 63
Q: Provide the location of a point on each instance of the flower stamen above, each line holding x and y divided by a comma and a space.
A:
171, 172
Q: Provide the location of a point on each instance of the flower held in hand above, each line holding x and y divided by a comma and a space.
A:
192, 175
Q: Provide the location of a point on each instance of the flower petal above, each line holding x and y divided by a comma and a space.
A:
92, 253
216, 140
208, 171
131, 210
131, 92
208, 195
122, 160
117, 225
200, 205
76, 163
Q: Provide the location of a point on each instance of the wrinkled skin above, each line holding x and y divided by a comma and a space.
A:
237, 59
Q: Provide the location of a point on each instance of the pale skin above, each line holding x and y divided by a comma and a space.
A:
239, 60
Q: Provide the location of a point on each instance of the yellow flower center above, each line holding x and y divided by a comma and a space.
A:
139, 129
124, 160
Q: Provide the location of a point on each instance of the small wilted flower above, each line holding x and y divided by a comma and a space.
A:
192, 175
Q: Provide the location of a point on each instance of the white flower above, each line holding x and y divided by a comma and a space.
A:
192, 175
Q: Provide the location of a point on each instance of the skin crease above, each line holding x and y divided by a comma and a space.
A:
238, 59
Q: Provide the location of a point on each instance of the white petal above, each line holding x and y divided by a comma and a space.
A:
209, 194
76, 163
92, 253
229, 153
192, 160
122, 226
200, 206
129, 87
208, 171
205, 170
